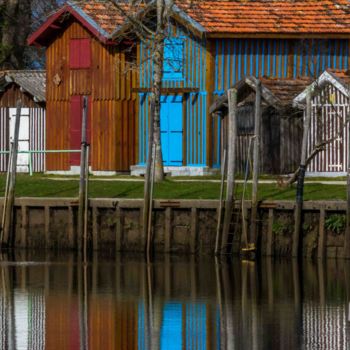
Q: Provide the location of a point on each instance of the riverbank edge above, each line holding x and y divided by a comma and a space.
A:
181, 226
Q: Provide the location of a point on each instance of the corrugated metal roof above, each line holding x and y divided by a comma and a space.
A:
31, 81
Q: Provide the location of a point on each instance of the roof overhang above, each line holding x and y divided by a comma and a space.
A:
54, 24
323, 80
244, 87
177, 14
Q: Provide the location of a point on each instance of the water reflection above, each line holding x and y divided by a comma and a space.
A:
173, 304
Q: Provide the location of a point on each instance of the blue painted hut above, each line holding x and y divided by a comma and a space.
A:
211, 45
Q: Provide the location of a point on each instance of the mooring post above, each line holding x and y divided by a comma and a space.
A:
231, 167
222, 189
147, 185
301, 177
86, 204
256, 165
82, 182
347, 231
10, 186
150, 206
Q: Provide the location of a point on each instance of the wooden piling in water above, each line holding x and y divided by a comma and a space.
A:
321, 249
221, 204
231, 168
256, 165
347, 231
7, 222
82, 181
301, 176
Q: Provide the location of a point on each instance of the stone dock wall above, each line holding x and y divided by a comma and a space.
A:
180, 227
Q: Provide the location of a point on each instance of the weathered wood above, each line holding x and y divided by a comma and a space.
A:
168, 230
347, 230
270, 233
7, 222
70, 227
321, 249
256, 165
82, 181
47, 226
95, 228
194, 230
300, 186
231, 167
24, 226
119, 229
221, 204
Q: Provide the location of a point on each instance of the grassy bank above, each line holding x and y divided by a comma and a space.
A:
38, 186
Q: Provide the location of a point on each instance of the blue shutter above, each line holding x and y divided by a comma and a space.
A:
173, 59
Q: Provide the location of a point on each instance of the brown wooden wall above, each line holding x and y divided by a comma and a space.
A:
109, 83
12, 94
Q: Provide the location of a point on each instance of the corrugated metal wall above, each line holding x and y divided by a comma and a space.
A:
109, 83
196, 103
330, 110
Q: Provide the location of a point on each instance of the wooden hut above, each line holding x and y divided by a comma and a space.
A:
81, 59
206, 52
281, 131
211, 47
329, 130
29, 88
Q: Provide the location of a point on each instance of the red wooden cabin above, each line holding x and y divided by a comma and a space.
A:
82, 60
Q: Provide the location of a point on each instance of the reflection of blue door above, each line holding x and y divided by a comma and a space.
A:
171, 331
171, 129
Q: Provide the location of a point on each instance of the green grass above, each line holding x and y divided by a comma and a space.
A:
38, 186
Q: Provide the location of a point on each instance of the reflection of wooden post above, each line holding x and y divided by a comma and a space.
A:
321, 282
7, 222
301, 176
256, 164
231, 166
82, 182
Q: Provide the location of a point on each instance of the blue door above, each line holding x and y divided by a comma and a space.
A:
171, 130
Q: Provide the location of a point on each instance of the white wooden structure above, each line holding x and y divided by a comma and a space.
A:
29, 87
329, 125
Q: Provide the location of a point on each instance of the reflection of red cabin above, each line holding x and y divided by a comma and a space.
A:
81, 60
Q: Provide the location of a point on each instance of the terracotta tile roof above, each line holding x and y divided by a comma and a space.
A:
270, 16
342, 75
286, 89
277, 92
104, 12
31, 81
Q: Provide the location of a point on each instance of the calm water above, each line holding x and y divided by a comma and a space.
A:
173, 304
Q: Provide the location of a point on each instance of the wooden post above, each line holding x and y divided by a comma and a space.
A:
347, 231
150, 207
10, 187
82, 184
222, 188
301, 176
86, 204
147, 185
256, 165
270, 233
231, 166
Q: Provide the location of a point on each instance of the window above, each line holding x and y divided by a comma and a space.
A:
80, 53
173, 59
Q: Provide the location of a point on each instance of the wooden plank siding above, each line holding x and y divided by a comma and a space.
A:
282, 58
330, 109
195, 76
109, 83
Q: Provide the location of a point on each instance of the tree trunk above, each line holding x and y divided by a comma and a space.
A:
158, 57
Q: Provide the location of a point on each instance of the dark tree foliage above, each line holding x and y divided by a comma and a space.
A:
18, 18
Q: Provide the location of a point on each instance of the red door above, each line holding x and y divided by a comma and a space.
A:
76, 116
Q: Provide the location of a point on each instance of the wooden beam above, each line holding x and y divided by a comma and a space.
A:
167, 91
